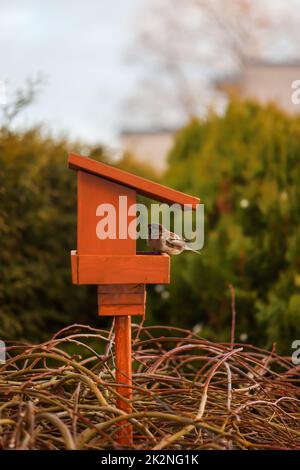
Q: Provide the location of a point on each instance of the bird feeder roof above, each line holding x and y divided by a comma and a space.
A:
141, 185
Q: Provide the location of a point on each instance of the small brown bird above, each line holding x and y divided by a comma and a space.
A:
163, 241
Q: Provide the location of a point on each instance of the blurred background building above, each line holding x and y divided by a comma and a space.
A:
149, 145
261, 80
264, 81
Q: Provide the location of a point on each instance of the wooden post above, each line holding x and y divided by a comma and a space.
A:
122, 301
124, 374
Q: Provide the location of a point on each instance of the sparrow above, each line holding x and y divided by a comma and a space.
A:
163, 241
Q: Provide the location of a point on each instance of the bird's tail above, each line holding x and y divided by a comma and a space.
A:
187, 247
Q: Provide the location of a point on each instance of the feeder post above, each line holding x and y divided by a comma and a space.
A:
124, 374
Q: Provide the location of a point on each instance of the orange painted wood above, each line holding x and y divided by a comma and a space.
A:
122, 294
74, 266
117, 310
124, 374
133, 269
121, 299
121, 288
141, 185
93, 191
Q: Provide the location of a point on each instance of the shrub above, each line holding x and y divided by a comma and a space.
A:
245, 166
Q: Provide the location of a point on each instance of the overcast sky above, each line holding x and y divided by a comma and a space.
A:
80, 47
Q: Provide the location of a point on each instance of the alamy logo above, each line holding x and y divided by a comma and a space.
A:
2, 352
295, 97
132, 221
296, 353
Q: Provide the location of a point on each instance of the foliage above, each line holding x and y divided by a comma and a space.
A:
37, 229
245, 168
37, 232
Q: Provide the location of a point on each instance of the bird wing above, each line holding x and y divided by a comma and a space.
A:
174, 236
170, 236
175, 242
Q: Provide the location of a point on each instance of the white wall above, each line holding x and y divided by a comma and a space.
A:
150, 148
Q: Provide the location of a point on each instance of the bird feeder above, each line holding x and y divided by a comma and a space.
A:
113, 264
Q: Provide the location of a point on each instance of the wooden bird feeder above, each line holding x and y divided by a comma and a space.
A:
114, 265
